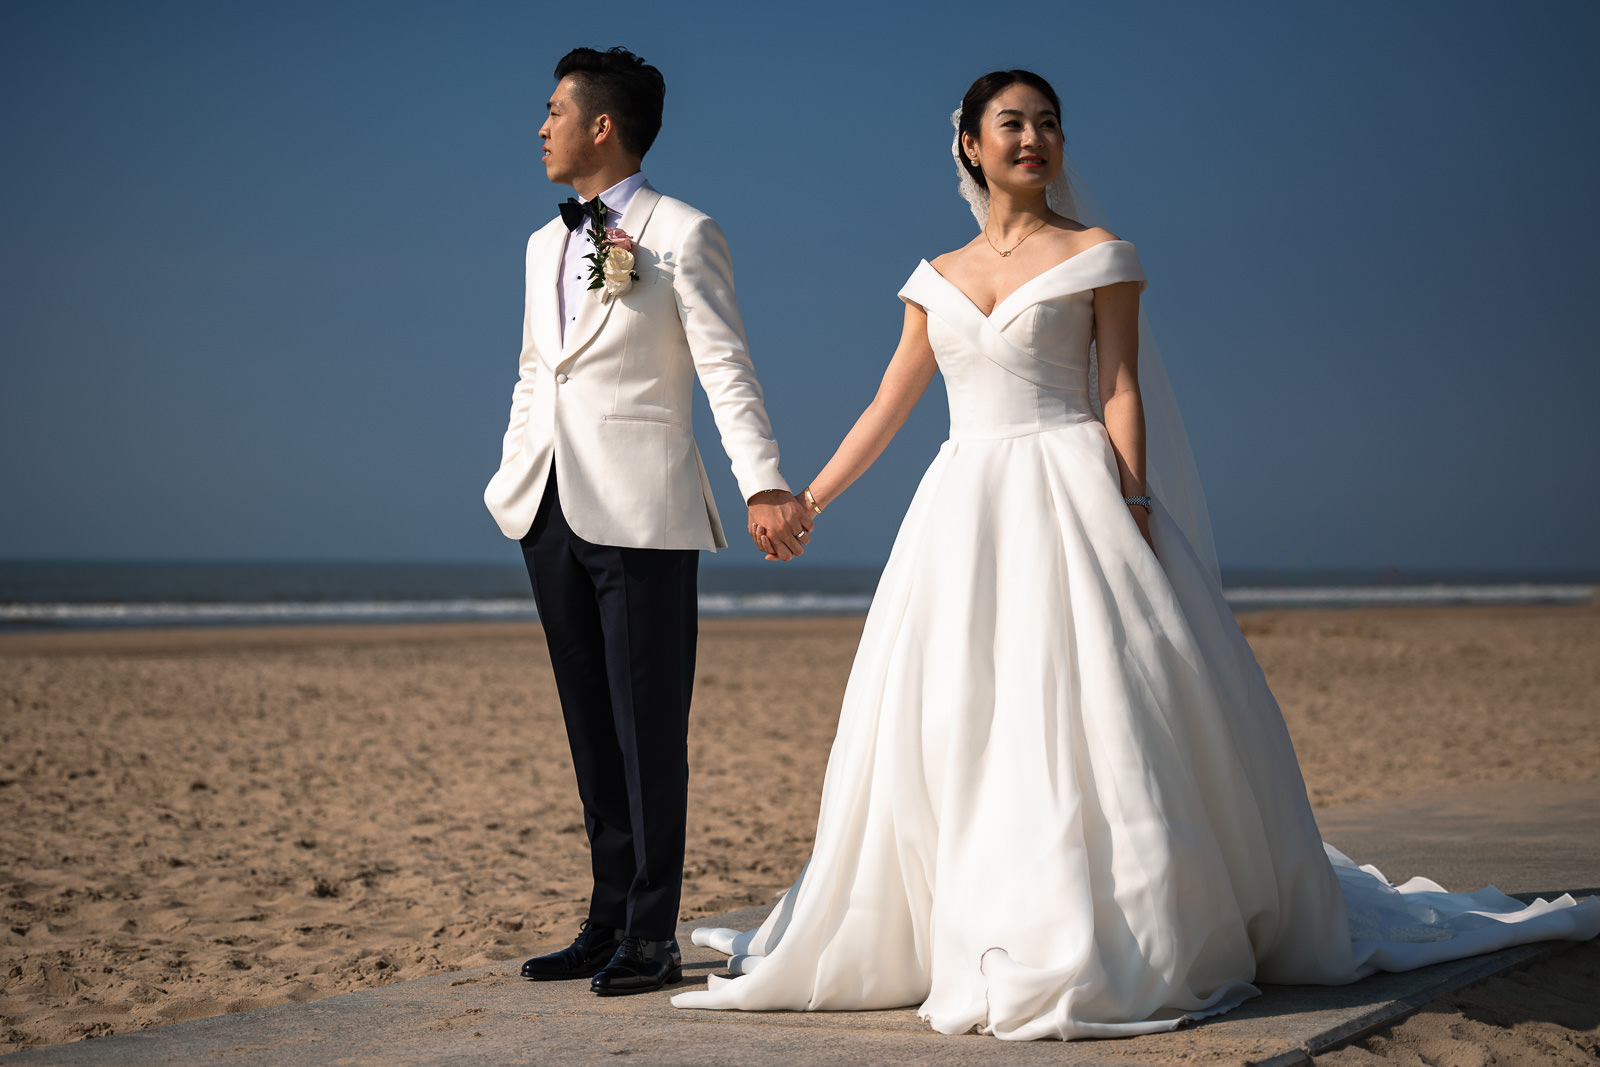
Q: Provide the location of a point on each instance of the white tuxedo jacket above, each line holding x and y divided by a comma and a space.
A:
610, 405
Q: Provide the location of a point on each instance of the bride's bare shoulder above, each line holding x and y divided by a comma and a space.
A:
954, 260
1088, 236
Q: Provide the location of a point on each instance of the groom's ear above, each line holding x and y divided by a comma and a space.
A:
603, 129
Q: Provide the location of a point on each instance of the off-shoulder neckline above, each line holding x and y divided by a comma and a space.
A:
1003, 301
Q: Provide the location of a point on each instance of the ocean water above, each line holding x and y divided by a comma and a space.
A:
56, 594
63, 594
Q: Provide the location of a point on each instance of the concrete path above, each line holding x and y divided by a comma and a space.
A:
1523, 837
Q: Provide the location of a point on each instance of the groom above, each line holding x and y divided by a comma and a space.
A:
629, 300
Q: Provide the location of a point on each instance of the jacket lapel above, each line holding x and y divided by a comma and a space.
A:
545, 304
592, 314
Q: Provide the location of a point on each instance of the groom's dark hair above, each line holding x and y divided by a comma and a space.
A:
620, 84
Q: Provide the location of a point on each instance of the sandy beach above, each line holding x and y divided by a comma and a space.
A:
205, 821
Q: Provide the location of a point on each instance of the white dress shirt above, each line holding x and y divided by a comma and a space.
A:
574, 268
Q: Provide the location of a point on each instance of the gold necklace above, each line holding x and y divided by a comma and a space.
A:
1016, 246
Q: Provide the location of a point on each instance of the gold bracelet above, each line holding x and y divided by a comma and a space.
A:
811, 501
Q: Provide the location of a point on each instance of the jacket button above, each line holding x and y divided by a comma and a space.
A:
561, 379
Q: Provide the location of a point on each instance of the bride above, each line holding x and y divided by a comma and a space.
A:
1062, 801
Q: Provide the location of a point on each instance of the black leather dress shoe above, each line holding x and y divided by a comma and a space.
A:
593, 949
639, 966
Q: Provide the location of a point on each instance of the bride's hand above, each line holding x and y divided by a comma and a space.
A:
779, 524
763, 541
1141, 518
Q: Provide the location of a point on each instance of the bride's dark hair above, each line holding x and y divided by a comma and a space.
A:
985, 89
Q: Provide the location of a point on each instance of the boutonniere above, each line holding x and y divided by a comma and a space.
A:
611, 263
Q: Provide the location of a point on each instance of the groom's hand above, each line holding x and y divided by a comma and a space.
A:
779, 524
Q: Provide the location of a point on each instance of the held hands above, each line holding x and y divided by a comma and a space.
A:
780, 525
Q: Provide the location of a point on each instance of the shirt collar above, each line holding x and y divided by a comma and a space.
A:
619, 196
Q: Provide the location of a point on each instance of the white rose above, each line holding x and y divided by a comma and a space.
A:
619, 261
617, 273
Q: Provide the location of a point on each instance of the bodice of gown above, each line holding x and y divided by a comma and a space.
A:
1024, 367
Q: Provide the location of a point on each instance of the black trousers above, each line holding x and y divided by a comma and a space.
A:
621, 624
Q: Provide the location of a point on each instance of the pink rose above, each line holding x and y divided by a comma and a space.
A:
618, 238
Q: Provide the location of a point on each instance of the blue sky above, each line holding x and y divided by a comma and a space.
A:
261, 263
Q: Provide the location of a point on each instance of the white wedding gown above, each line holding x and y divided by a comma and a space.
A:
1062, 801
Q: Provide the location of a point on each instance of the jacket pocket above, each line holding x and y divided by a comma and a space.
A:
638, 418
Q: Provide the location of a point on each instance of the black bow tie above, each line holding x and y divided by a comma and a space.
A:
573, 213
